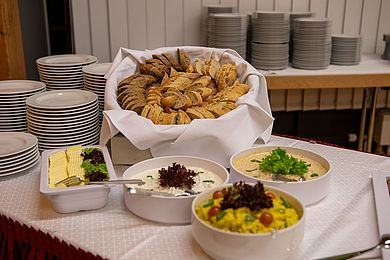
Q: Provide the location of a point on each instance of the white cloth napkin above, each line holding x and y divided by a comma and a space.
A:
215, 139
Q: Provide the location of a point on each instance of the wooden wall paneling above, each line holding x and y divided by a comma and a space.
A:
155, 22
381, 99
117, 17
192, 22
368, 30
174, 23
344, 98
277, 98
319, 8
388, 99
100, 34
245, 6
137, 27
283, 5
357, 98
383, 28
265, 5
300, 5
81, 26
311, 99
336, 12
328, 99
352, 17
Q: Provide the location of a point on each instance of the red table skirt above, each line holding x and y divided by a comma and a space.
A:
18, 241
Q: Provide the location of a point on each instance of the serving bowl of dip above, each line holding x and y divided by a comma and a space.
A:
232, 236
245, 166
159, 203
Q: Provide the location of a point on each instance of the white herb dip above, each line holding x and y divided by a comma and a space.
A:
204, 180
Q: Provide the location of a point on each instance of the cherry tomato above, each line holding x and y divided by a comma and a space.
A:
266, 218
271, 194
217, 194
214, 211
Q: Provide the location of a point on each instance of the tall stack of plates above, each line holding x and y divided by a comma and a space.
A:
346, 49
212, 9
18, 152
95, 82
63, 118
13, 94
293, 16
228, 31
270, 38
63, 71
311, 43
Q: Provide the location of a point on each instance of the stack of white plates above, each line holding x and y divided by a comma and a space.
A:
63, 118
270, 27
346, 49
267, 56
212, 9
228, 31
311, 43
13, 94
18, 152
63, 71
95, 82
293, 16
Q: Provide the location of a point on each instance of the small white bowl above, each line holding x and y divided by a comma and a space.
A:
309, 191
76, 198
170, 210
220, 244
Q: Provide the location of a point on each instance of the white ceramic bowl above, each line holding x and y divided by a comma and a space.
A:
171, 210
220, 244
309, 191
76, 198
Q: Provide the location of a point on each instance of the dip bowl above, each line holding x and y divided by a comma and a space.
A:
309, 191
163, 209
221, 244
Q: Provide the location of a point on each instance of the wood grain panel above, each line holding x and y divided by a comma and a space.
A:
174, 23
344, 98
81, 26
371, 11
311, 99
277, 100
117, 17
138, 38
357, 98
100, 34
328, 99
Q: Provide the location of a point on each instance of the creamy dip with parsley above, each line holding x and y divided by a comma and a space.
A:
249, 165
204, 180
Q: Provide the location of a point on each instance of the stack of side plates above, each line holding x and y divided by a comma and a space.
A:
18, 152
95, 82
346, 49
270, 37
311, 43
13, 94
63, 118
228, 31
212, 9
63, 71
293, 16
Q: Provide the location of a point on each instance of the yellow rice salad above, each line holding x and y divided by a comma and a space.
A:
234, 210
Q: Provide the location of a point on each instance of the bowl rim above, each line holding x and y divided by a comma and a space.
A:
253, 149
226, 180
264, 234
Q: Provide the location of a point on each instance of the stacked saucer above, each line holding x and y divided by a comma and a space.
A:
270, 38
63, 71
18, 152
212, 9
346, 49
13, 94
293, 16
95, 82
228, 31
63, 118
311, 43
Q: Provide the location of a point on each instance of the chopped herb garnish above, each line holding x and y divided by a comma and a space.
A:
254, 160
149, 176
208, 203
249, 218
237, 197
199, 173
285, 203
210, 181
314, 175
251, 170
220, 214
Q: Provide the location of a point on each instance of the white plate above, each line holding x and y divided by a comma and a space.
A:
66, 60
61, 125
8, 87
61, 99
18, 157
97, 68
90, 141
14, 142
22, 167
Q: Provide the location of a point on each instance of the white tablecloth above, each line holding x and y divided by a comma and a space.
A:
344, 221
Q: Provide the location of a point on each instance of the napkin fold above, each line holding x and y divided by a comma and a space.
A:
215, 139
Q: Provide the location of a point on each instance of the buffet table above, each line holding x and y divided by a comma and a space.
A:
371, 74
342, 222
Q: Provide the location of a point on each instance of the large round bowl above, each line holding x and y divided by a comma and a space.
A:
309, 191
171, 210
220, 244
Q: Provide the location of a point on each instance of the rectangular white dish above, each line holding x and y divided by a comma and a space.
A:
76, 198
